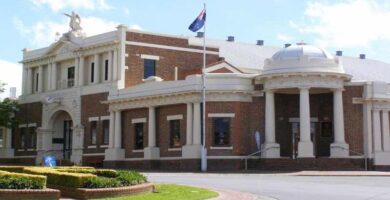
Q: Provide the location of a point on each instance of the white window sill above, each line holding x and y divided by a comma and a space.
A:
174, 149
138, 151
91, 147
222, 148
103, 146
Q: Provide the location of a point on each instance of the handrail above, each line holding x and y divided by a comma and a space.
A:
252, 154
360, 154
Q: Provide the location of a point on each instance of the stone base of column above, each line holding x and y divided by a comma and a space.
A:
305, 150
271, 150
7, 153
39, 157
151, 153
339, 150
77, 156
382, 158
114, 154
191, 151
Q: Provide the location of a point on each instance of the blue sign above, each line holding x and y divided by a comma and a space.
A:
49, 161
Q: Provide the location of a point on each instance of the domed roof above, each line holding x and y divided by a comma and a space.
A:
302, 58
299, 50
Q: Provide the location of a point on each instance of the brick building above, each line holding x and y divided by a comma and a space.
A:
132, 99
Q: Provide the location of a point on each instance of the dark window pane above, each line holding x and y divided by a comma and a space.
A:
36, 82
92, 72
22, 137
149, 68
32, 138
106, 70
139, 136
106, 131
93, 132
71, 76
221, 129
174, 127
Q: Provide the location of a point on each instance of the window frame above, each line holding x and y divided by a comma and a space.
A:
174, 131
137, 144
106, 70
93, 135
106, 135
148, 65
227, 133
92, 75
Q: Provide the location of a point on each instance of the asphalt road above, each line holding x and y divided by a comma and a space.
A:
286, 187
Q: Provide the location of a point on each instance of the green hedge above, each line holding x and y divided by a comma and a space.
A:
54, 177
99, 172
102, 182
128, 178
9, 180
17, 169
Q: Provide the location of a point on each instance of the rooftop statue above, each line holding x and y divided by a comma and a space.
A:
75, 22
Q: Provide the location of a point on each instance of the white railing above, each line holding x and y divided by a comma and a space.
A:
255, 153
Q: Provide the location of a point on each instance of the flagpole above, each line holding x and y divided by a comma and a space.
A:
204, 150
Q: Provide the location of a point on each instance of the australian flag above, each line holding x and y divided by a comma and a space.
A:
198, 22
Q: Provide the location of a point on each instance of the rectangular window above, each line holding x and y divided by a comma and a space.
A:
139, 135
92, 72
149, 68
221, 130
106, 70
31, 138
22, 137
2, 133
71, 76
106, 131
93, 132
174, 130
36, 82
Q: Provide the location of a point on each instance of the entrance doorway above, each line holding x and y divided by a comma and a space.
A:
68, 132
295, 137
62, 126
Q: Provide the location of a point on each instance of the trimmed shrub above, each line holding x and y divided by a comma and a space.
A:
128, 178
9, 180
100, 172
17, 169
54, 177
107, 173
102, 182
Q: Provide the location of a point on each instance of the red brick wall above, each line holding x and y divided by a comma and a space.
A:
187, 62
28, 113
91, 107
353, 118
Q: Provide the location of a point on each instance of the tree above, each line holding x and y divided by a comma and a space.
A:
8, 109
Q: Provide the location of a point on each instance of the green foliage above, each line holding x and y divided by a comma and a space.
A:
102, 182
8, 108
10, 180
54, 177
99, 172
130, 178
17, 169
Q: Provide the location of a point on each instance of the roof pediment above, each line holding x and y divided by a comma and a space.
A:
222, 67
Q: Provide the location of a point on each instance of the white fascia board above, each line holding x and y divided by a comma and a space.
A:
138, 120
105, 117
151, 57
91, 119
221, 115
174, 117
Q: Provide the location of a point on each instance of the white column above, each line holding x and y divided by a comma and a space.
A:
118, 130
271, 148
112, 130
339, 148
24, 81
196, 129
81, 71
110, 66
305, 145
96, 74
152, 127
385, 130
377, 130
54, 76
115, 65
76, 71
40, 79
189, 124
49, 71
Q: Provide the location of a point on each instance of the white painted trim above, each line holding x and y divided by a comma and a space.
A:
104, 146
171, 158
138, 120
150, 57
174, 117
221, 66
22, 125
29, 125
170, 47
93, 154
31, 149
92, 119
221, 115
137, 151
174, 149
132, 159
296, 119
91, 147
20, 150
24, 156
221, 148
105, 117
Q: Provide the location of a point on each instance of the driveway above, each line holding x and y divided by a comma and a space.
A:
287, 187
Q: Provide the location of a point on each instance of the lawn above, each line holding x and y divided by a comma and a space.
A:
172, 192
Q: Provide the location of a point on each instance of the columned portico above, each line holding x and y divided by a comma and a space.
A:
385, 130
305, 145
271, 148
339, 148
152, 152
115, 150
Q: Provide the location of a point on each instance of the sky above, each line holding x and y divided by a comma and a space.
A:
353, 26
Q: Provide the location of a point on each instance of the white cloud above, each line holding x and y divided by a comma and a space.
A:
11, 73
283, 37
43, 33
349, 23
57, 5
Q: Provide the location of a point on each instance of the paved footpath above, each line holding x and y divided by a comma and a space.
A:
235, 195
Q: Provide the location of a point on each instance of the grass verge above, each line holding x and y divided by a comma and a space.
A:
172, 192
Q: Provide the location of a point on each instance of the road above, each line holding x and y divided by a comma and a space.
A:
286, 187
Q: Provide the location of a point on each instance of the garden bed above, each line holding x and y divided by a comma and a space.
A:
23, 194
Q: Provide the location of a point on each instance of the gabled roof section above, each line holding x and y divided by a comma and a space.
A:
222, 67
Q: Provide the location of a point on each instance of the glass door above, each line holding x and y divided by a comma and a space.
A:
68, 130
